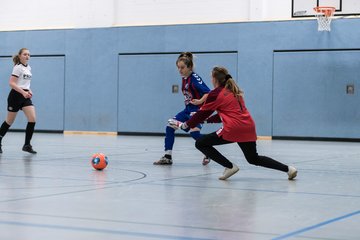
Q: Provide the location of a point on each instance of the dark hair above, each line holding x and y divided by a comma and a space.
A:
16, 58
224, 79
186, 58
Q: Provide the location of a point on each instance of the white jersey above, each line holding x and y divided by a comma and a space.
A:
23, 73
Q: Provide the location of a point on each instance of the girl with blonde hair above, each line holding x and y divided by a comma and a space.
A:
20, 98
238, 126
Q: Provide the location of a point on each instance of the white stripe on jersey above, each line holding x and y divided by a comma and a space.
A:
197, 78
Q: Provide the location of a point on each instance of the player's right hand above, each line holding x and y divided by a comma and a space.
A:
27, 95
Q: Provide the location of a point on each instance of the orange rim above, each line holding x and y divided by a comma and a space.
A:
327, 11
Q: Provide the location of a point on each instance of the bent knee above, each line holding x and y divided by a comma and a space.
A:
200, 143
170, 128
254, 161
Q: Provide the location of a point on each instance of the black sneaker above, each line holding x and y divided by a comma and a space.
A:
0, 149
29, 149
163, 161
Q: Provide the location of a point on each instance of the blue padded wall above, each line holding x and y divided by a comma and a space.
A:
95, 60
310, 97
149, 78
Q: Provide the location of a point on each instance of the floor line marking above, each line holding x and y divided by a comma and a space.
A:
306, 229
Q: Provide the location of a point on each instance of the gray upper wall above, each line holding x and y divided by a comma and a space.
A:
92, 79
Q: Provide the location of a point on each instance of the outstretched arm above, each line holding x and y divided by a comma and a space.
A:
198, 117
199, 101
214, 119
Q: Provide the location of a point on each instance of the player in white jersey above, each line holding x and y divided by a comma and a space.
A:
20, 98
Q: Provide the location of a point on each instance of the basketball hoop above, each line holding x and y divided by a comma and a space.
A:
324, 16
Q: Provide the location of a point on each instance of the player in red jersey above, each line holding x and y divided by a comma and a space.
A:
238, 126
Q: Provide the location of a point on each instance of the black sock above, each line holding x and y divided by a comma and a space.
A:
29, 132
3, 130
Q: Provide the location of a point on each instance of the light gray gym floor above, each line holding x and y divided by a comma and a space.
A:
57, 195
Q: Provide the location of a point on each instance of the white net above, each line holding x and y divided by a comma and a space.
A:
324, 17
324, 23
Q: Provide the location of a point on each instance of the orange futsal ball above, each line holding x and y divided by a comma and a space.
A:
99, 161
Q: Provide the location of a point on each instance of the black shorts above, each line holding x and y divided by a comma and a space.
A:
16, 101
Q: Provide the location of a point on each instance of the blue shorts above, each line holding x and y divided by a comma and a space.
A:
183, 116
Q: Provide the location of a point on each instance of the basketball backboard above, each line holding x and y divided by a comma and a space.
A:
304, 8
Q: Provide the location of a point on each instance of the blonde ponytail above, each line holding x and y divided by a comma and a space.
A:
233, 87
224, 79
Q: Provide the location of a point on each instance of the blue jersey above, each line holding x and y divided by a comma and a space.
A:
193, 87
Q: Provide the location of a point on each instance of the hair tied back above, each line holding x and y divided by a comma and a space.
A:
227, 77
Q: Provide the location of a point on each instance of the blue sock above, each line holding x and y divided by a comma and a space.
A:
195, 135
169, 138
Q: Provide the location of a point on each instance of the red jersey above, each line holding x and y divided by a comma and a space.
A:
238, 125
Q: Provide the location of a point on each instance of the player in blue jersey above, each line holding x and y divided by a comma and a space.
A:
195, 93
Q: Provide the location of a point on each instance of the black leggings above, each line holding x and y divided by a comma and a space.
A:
206, 142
